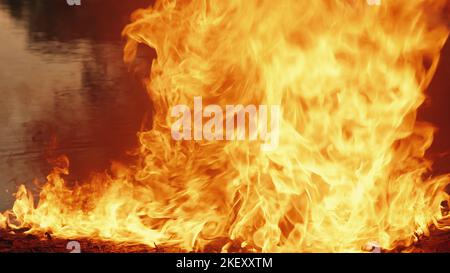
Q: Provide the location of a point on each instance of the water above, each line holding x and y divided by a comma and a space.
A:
63, 78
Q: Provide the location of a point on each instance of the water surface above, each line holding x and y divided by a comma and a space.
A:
63, 79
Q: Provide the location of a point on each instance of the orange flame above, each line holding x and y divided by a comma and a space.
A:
349, 168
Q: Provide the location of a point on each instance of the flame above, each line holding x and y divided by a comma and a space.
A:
350, 166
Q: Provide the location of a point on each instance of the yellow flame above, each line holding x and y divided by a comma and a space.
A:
349, 168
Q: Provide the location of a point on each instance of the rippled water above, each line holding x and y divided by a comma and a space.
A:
63, 78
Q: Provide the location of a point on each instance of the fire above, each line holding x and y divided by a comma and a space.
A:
349, 168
